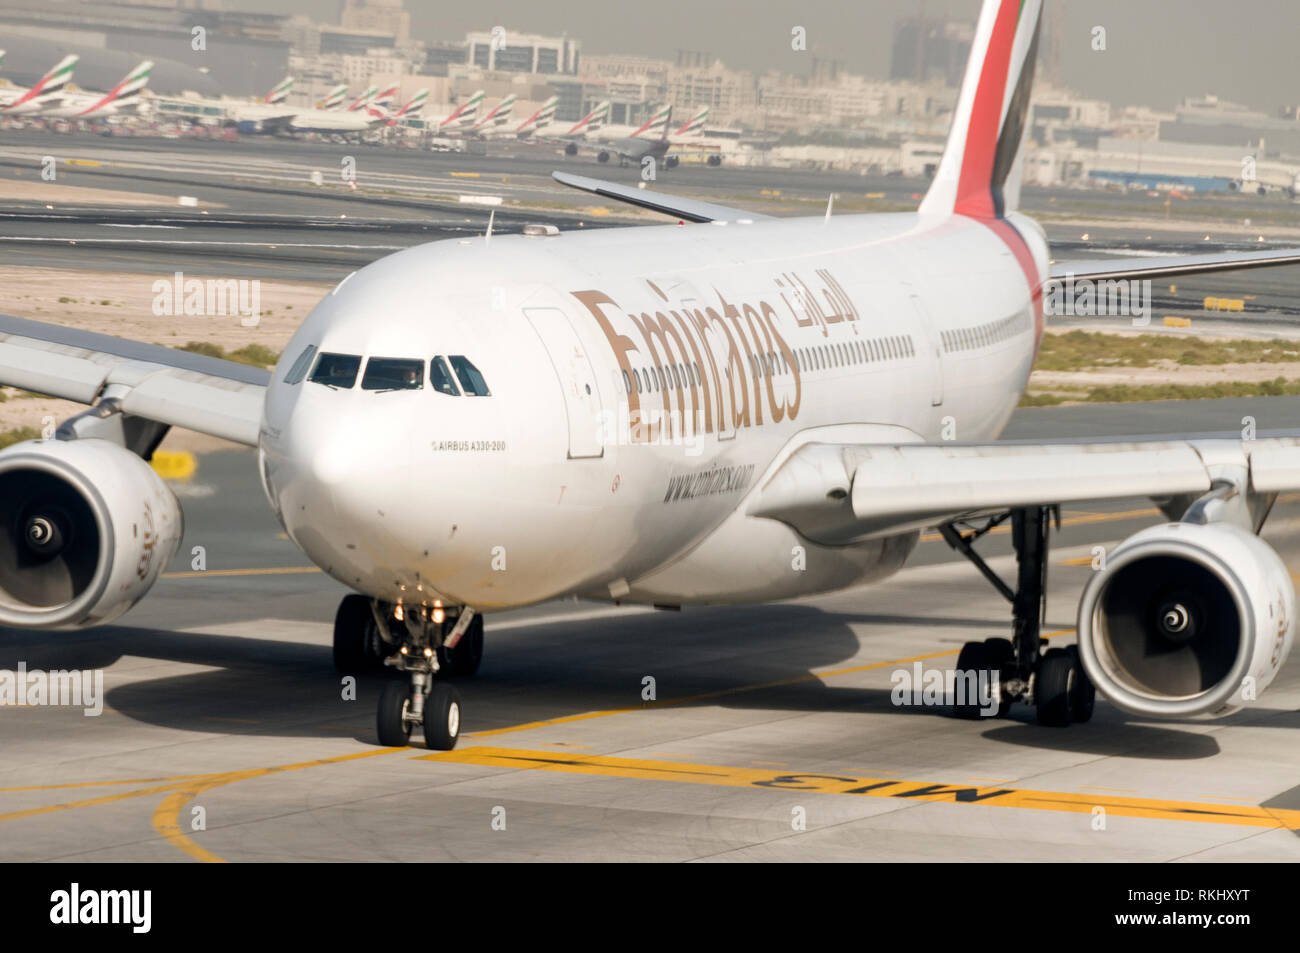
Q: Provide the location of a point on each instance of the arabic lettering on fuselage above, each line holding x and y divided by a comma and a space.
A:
736, 344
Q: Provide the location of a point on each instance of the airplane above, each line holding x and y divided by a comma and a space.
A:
634, 143
122, 98
373, 113
588, 125
690, 139
20, 101
494, 123
539, 120
736, 410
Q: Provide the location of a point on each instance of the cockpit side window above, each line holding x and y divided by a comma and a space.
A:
336, 370
393, 373
471, 381
298, 369
440, 377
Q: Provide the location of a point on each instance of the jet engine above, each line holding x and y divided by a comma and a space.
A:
1187, 619
86, 528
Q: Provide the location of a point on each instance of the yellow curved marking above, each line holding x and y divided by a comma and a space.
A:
96, 784
166, 817
91, 802
174, 465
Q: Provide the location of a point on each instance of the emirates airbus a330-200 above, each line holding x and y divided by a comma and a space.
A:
665, 415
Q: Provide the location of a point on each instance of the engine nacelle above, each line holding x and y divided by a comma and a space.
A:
86, 528
1184, 618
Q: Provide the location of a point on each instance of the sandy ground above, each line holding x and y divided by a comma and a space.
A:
123, 305
37, 189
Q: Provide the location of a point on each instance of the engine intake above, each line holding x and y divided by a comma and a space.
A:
1187, 619
86, 528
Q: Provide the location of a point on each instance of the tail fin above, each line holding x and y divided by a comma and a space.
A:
657, 125
132, 84
695, 125
334, 98
385, 99
369, 93
979, 174
538, 120
280, 91
466, 113
54, 79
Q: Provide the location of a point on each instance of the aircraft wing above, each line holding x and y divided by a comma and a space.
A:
176, 388
840, 493
688, 209
1162, 266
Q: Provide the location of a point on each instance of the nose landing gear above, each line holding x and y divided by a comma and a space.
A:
429, 645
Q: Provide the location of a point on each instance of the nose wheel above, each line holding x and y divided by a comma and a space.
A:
430, 647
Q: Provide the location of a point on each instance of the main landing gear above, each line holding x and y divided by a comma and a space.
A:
428, 645
1053, 681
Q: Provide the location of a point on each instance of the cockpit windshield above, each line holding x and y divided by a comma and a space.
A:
393, 373
336, 370
471, 381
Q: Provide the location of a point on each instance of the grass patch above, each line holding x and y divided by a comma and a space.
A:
1081, 350
255, 355
10, 437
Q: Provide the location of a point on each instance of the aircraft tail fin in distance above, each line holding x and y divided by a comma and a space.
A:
279, 92
979, 174
334, 98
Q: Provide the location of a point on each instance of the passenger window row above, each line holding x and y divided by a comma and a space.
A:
823, 356
995, 332
663, 377
340, 371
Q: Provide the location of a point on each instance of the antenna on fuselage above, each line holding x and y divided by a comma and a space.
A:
830, 203
487, 236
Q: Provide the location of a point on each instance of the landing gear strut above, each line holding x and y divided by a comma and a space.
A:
427, 645
1054, 680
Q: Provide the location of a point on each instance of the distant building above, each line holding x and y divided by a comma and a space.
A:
523, 52
927, 50
438, 57
380, 16
355, 42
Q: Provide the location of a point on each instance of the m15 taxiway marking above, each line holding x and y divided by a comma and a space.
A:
727, 776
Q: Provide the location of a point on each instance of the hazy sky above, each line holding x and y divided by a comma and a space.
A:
1158, 50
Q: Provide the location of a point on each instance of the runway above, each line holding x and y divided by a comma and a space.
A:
267, 220
771, 733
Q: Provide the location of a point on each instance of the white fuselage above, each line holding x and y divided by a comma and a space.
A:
644, 381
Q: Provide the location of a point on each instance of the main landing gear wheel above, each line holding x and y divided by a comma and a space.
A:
394, 702
1063, 693
358, 646
463, 660
1053, 681
990, 660
441, 717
